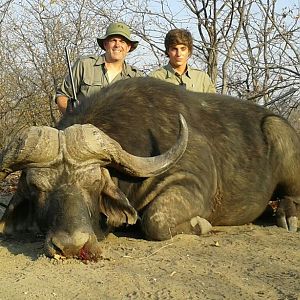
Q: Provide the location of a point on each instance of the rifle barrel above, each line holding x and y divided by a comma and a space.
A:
71, 75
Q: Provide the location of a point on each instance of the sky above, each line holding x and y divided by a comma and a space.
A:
280, 4
284, 3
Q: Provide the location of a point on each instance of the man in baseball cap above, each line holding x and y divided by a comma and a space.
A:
91, 73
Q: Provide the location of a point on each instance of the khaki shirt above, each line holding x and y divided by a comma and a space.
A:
90, 76
193, 79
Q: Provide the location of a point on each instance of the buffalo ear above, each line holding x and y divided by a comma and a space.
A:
18, 215
114, 204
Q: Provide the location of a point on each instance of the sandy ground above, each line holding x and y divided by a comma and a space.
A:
241, 262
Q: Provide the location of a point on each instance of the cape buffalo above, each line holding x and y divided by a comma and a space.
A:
79, 180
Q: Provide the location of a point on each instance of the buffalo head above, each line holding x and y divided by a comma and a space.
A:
65, 189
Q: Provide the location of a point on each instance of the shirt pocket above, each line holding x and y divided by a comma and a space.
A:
90, 86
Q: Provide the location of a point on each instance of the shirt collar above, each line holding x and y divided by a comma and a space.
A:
126, 70
171, 71
100, 60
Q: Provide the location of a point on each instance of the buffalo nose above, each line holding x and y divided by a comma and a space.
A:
69, 244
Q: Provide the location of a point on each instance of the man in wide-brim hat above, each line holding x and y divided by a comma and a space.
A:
91, 73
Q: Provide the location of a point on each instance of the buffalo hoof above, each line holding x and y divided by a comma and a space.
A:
200, 225
289, 224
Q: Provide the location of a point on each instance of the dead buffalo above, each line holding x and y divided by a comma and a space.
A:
129, 166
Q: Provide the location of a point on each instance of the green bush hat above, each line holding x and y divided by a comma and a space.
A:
118, 28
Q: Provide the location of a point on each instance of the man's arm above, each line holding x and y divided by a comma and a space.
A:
211, 88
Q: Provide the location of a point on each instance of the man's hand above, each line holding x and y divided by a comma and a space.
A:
62, 103
72, 104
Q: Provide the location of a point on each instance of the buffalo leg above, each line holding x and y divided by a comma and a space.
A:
172, 212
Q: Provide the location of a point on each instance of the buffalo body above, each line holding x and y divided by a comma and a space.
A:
238, 157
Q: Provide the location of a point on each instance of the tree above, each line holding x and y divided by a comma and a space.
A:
249, 48
33, 39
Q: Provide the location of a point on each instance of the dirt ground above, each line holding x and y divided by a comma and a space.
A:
240, 262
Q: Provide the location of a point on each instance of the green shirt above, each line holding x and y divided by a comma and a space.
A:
193, 79
90, 76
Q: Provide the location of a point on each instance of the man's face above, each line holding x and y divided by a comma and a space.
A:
116, 48
178, 55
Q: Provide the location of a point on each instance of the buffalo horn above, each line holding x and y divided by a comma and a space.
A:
87, 144
33, 146
153, 166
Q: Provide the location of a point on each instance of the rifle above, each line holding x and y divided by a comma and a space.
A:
72, 102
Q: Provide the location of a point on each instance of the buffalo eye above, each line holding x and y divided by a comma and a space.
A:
40, 179
89, 177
